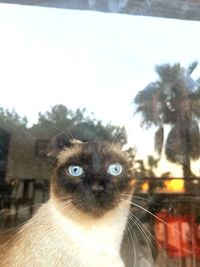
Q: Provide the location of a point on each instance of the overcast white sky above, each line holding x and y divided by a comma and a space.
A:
87, 59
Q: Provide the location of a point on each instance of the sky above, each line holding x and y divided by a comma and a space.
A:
88, 59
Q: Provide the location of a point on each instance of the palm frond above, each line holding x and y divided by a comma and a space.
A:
173, 146
192, 67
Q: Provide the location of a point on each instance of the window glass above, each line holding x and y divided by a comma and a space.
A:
126, 79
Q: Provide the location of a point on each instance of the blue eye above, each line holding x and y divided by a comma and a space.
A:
115, 169
75, 170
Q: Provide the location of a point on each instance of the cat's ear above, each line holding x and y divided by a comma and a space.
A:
59, 142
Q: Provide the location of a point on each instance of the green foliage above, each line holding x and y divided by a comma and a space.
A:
75, 124
11, 118
131, 152
79, 125
173, 100
143, 170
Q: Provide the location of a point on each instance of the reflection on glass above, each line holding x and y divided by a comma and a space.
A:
124, 79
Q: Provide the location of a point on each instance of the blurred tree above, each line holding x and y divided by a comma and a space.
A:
77, 124
11, 119
131, 151
10, 122
143, 170
173, 100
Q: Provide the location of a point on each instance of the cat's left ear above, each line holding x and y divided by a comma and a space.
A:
59, 142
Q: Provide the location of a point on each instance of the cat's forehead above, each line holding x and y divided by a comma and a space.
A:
91, 150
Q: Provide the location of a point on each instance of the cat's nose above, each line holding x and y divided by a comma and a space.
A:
97, 189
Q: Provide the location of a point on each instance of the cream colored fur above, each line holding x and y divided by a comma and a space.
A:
51, 239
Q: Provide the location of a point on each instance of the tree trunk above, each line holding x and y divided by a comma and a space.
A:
186, 164
186, 167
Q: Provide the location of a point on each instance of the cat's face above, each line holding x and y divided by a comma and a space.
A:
92, 176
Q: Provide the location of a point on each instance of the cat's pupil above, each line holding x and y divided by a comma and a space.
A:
115, 169
75, 170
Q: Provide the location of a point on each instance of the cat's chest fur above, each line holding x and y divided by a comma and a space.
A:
60, 241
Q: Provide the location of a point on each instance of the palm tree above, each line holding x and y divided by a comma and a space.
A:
173, 101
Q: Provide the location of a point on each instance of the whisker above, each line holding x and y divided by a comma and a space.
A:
27, 207
65, 197
63, 204
66, 203
13, 228
21, 228
50, 126
14, 222
141, 198
152, 236
75, 212
65, 123
129, 228
142, 208
155, 216
14, 212
132, 241
140, 228
114, 139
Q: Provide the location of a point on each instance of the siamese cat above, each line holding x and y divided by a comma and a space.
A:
83, 222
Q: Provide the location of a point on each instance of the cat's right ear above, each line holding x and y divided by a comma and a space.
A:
59, 142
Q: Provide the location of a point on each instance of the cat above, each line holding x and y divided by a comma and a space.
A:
83, 222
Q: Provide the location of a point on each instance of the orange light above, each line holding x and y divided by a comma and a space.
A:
145, 187
175, 185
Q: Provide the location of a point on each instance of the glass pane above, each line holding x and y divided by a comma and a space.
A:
74, 84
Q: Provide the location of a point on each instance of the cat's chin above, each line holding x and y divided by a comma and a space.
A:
91, 213
89, 206
82, 212
98, 211
95, 213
